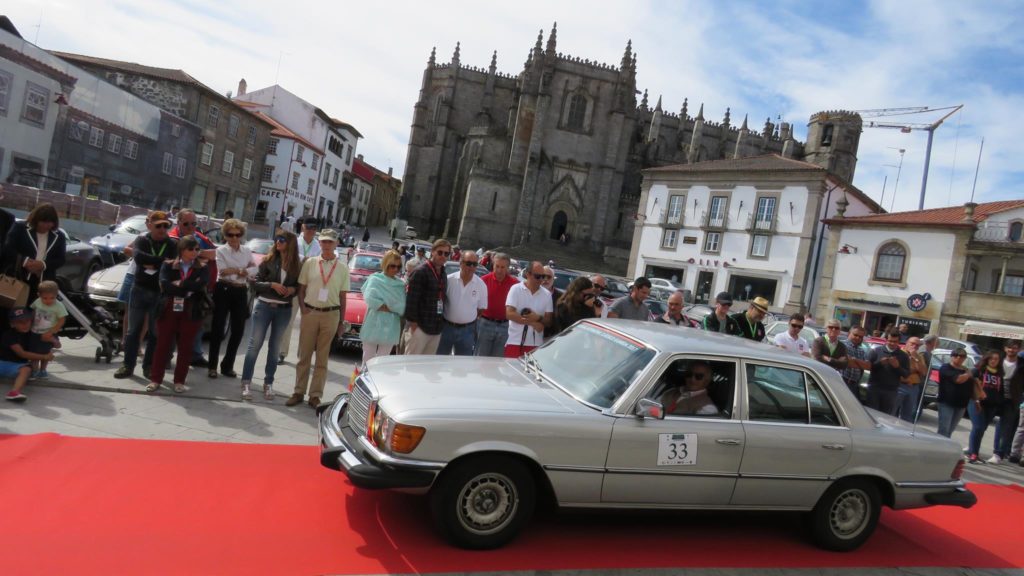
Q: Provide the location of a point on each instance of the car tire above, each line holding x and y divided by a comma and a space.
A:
484, 502
846, 515
95, 266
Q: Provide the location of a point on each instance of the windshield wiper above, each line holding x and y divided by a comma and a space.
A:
531, 361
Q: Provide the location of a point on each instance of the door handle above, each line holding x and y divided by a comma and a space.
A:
833, 446
728, 441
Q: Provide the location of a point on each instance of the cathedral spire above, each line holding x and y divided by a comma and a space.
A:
643, 103
728, 116
744, 127
540, 38
494, 62
627, 56
552, 39
685, 108
433, 56
455, 56
700, 113
657, 107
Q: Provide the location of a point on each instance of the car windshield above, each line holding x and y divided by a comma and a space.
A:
133, 225
591, 363
366, 262
259, 245
371, 247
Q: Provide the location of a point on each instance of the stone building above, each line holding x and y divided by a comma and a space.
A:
957, 271
231, 144
384, 200
499, 159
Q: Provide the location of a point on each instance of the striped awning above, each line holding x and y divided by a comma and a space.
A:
978, 328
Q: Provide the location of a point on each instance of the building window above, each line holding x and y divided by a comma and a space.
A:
268, 173
327, 172
247, 168
76, 129
1015, 231
179, 167
272, 147
131, 149
759, 245
668, 238
765, 216
6, 80
175, 130
712, 241
309, 185
168, 163
334, 145
675, 210
300, 151
890, 262
1013, 285
316, 161
206, 156
348, 154
295, 181
716, 213
747, 288
251, 138
334, 180
826, 134
37, 100
229, 162
114, 144
96, 137
233, 123
212, 116
577, 112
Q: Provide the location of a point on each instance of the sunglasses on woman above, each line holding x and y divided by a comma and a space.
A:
280, 239
235, 235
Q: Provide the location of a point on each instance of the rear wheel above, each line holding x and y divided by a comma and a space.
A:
846, 515
484, 502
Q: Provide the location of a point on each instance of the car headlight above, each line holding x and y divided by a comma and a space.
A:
390, 436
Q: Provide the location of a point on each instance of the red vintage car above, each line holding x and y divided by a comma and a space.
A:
355, 312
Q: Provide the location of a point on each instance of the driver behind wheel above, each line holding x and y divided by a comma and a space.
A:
691, 398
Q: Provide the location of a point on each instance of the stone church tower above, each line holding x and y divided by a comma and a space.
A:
501, 160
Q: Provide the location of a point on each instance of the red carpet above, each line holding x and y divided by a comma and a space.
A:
98, 506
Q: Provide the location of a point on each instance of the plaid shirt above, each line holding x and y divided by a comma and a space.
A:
858, 352
424, 298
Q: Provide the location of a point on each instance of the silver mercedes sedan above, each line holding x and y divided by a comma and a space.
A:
620, 414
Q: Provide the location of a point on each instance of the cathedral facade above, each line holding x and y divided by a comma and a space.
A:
502, 160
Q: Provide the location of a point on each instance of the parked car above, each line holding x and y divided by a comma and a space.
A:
81, 260
112, 244
773, 329
973, 350
580, 422
665, 284
410, 232
355, 313
363, 264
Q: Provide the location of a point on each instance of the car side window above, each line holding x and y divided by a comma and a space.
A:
776, 394
694, 387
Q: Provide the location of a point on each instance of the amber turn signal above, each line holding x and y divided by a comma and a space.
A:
406, 438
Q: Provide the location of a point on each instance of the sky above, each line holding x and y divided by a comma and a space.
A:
363, 62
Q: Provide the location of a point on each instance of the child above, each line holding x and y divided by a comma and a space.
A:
49, 316
15, 354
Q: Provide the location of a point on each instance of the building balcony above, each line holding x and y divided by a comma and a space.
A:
999, 233
668, 220
984, 304
718, 221
757, 225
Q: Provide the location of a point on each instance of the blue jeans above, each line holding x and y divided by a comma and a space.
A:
143, 304
276, 318
949, 419
490, 338
460, 338
907, 400
980, 419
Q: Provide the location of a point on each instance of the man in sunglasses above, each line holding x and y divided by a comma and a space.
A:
188, 224
424, 301
151, 249
791, 340
467, 301
692, 397
528, 308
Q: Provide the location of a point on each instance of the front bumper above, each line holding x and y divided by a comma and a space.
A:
343, 449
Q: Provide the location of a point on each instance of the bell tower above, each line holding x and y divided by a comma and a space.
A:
832, 141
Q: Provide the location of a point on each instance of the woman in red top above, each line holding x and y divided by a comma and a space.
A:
989, 395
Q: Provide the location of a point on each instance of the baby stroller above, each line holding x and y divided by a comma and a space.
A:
87, 318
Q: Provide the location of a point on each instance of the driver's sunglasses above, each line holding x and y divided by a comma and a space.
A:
235, 235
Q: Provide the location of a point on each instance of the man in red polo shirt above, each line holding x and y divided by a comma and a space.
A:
492, 327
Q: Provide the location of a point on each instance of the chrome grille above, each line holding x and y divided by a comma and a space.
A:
359, 408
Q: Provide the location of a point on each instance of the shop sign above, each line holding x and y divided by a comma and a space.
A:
918, 302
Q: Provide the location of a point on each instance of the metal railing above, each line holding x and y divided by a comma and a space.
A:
760, 224
712, 221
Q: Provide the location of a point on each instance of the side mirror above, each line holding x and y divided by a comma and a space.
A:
647, 408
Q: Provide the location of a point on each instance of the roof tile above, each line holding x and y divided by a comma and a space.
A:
950, 215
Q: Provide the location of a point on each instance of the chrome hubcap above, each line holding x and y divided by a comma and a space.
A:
487, 503
849, 514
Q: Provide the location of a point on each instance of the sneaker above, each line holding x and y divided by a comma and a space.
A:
973, 459
34, 375
268, 392
42, 374
126, 372
995, 459
13, 396
293, 400
246, 392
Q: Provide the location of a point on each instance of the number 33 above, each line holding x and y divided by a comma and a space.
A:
677, 451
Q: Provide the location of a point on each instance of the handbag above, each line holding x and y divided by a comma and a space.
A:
13, 292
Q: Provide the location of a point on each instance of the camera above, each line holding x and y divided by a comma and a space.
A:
525, 312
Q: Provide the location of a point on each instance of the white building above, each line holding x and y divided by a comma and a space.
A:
749, 226
955, 271
336, 141
289, 179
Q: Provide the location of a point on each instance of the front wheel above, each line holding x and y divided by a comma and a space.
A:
484, 502
846, 515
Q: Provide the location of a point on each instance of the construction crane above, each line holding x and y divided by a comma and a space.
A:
907, 127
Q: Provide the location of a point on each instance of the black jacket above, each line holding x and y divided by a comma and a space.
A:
711, 324
20, 245
150, 253
270, 272
192, 288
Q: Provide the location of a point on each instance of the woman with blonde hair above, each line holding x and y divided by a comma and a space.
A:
384, 294
276, 284
230, 296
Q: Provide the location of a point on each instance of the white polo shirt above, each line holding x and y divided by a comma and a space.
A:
464, 300
519, 297
796, 345
308, 250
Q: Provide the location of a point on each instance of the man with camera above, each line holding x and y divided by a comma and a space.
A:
528, 308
